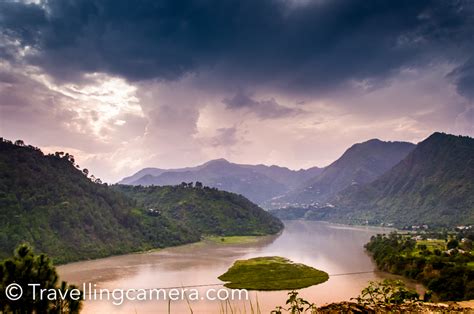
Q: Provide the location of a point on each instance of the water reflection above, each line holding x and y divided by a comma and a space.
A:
332, 248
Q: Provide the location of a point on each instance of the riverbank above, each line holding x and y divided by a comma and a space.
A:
331, 248
444, 267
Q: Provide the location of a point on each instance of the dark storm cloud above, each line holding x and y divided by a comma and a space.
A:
265, 109
464, 77
312, 46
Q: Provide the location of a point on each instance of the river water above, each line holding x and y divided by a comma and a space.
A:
336, 249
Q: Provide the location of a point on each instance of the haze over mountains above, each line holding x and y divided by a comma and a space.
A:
276, 187
360, 164
373, 182
256, 182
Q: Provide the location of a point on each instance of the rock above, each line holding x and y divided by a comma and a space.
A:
411, 307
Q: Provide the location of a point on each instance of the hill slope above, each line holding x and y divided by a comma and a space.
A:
433, 185
207, 211
360, 164
46, 201
258, 183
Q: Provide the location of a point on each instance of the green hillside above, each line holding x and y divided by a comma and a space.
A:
207, 211
48, 202
433, 185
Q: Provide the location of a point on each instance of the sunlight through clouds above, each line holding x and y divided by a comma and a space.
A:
101, 102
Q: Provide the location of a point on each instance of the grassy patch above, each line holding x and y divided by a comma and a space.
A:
431, 246
271, 273
232, 239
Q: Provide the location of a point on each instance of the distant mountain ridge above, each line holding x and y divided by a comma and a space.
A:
256, 182
360, 164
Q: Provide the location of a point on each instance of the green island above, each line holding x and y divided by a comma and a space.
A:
271, 273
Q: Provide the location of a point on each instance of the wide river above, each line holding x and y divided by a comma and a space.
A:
336, 249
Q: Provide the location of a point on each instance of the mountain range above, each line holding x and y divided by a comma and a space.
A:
47, 201
360, 164
256, 182
433, 185
395, 183
277, 187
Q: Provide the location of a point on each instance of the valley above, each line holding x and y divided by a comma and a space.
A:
184, 232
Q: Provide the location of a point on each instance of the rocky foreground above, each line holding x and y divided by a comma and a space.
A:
412, 307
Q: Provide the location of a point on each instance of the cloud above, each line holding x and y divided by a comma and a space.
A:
153, 83
264, 109
463, 75
225, 137
91, 116
464, 122
308, 46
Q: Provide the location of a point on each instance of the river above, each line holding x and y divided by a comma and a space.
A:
336, 249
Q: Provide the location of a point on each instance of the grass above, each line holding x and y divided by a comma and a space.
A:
431, 245
232, 239
271, 273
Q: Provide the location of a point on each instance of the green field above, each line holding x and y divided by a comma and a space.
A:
232, 239
431, 245
271, 273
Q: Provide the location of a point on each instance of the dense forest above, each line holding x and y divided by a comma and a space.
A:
202, 209
444, 266
47, 201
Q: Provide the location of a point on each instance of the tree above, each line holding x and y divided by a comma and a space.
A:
25, 268
19, 143
422, 247
85, 171
198, 185
452, 244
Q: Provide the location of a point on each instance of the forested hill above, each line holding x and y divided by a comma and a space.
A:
205, 210
433, 185
46, 201
360, 164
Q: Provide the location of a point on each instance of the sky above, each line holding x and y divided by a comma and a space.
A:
124, 84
